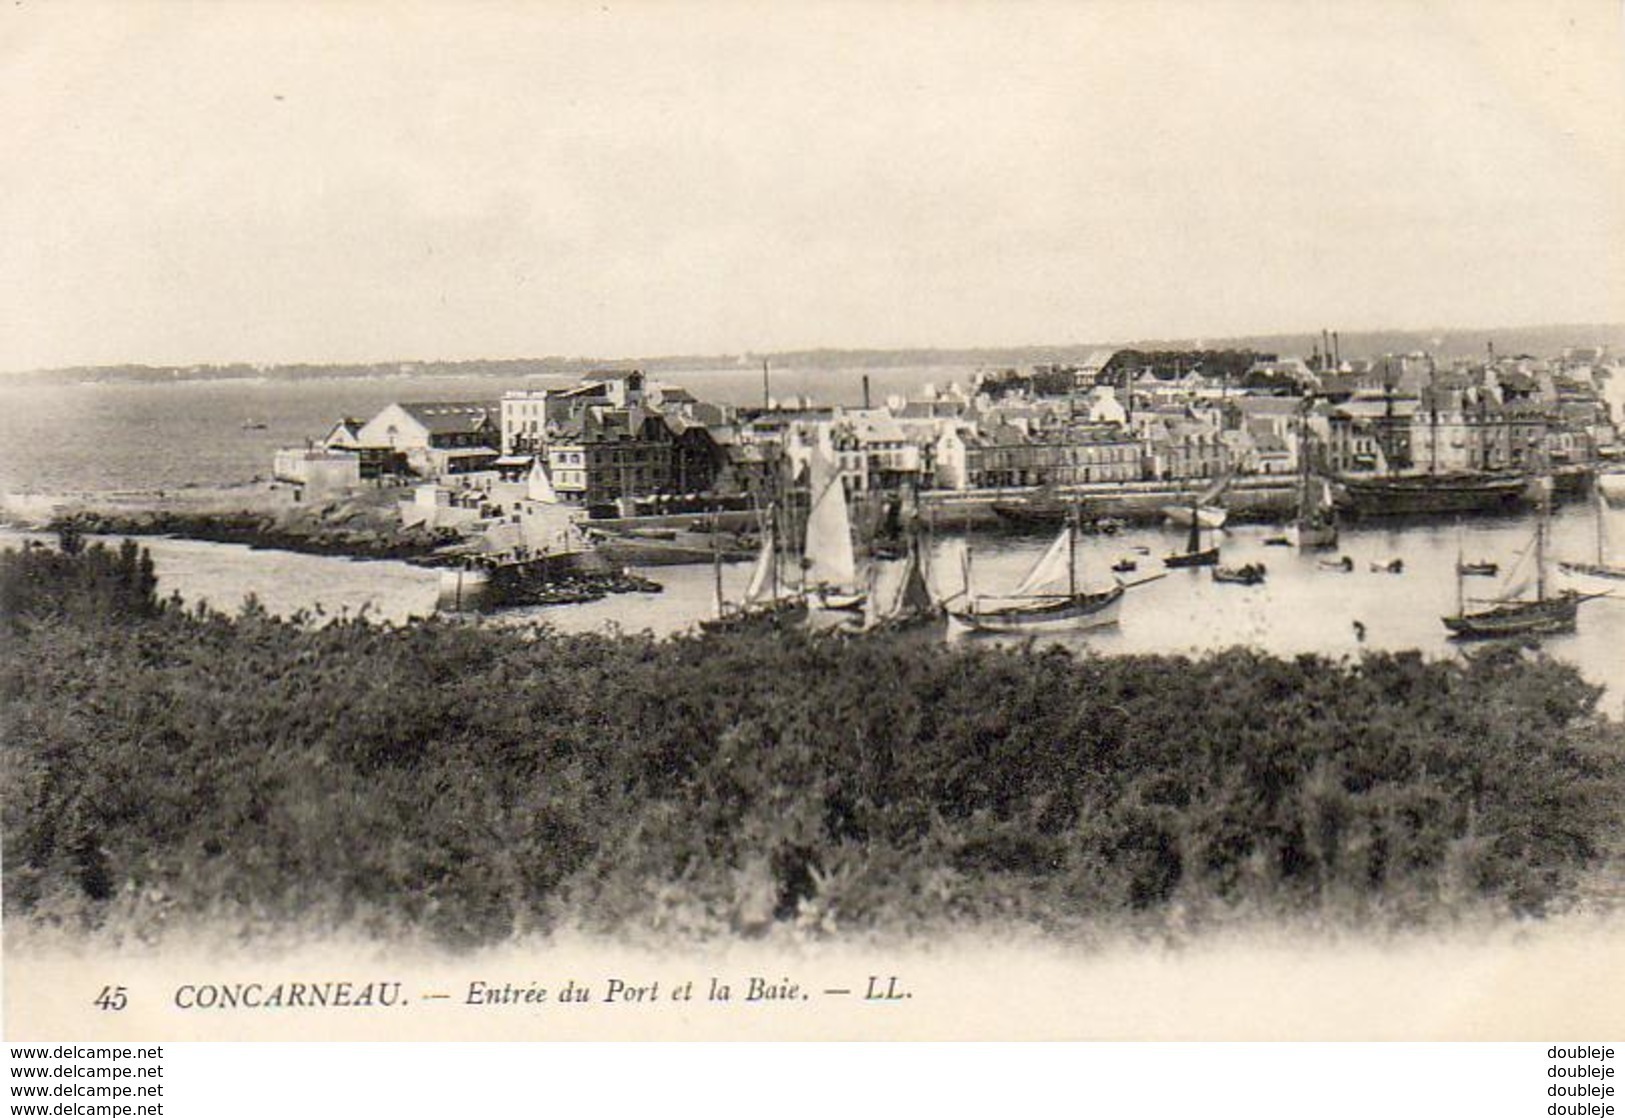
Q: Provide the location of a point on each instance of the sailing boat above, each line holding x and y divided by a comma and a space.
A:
1205, 511
830, 568
1601, 567
1515, 616
1049, 599
768, 595
1194, 555
910, 602
1315, 525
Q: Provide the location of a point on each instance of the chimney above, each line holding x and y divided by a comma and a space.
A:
865, 391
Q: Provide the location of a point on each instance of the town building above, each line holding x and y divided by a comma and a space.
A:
432, 439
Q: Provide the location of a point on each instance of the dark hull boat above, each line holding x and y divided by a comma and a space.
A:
1248, 574
1207, 557
1514, 617
674, 549
1519, 619
1194, 555
1038, 512
783, 614
1594, 570
1425, 494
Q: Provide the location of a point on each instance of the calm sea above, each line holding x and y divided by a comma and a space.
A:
1302, 607
107, 437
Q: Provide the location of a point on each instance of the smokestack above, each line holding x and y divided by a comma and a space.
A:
767, 396
1337, 352
865, 391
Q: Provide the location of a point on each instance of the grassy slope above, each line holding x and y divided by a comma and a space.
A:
470, 784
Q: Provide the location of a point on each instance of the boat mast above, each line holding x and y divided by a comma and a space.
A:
964, 564
1540, 537
1303, 462
1461, 594
1602, 528
1072, 554
716, 562
772, 530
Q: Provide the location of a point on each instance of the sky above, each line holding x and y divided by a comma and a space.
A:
336, 181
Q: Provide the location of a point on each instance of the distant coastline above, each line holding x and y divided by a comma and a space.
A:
1444, 342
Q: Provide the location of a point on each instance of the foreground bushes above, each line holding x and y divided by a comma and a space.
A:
164, 765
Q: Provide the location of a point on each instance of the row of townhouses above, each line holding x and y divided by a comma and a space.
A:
616, 437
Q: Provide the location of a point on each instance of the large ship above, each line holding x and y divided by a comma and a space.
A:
1043, 508
1430, 493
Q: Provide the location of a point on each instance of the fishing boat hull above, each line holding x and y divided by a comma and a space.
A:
922, 622
1594, 570
1612, 487
1060, 614
1205, 516
1208, 557
682, 549
777, 615
1032, 514
463, 590
837, 601
1428, 494
1249, 575
1308, 536
1518, 619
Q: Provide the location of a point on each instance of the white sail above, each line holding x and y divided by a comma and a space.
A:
762, 581
908, 593
914, 595
538, 487
1327, 501
1052, 574
1213, 492
828, 556
950, 577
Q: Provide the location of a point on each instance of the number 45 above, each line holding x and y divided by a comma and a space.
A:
111, 998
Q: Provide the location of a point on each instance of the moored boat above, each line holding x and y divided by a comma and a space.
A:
1314, 526
829, 562
1208, 516
910, 603
1613, 488
1432, 493
1050, 599
1248, 574
1041, 509
1205, 511
1601, 565
666, 548
1194, 555
770, 596
1513, 616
